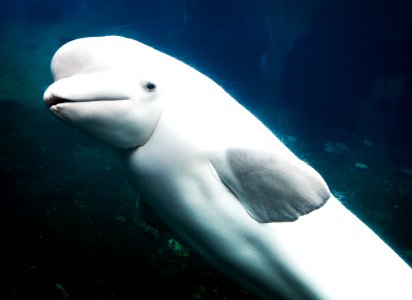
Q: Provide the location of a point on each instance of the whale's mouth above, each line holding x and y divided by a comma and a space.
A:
51, 101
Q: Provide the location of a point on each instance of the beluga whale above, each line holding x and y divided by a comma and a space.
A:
218, 177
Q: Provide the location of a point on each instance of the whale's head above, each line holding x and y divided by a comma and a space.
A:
111, 87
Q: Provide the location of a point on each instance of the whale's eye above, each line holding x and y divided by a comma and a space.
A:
150, 86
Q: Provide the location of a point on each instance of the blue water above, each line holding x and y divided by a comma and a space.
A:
333, 81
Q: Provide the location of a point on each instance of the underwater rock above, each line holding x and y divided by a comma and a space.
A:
367, 143
361, 166
336, 148
405, 173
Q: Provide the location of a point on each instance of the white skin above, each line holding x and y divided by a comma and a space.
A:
168, 121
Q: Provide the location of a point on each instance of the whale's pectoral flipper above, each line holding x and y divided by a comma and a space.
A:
270, 187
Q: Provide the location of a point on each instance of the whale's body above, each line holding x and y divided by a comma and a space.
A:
219, 178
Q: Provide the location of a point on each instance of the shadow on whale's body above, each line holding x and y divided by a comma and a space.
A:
218, 177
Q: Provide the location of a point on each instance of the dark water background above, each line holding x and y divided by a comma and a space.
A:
331, 80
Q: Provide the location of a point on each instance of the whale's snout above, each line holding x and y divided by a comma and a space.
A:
50, 100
